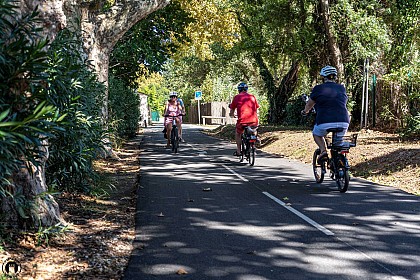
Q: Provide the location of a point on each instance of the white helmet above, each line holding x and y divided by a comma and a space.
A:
328, 70
173, 93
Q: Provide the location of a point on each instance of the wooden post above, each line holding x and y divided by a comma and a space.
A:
362, 113
199, 117
367, 92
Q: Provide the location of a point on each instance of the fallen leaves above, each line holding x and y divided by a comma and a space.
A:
99, 244
181, 271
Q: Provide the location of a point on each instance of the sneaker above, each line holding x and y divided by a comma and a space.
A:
181, 140
236, 154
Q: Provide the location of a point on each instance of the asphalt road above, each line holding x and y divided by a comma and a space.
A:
203, 215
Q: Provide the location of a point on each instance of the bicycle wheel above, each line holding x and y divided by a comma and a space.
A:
318, 168
174, 139
243, 150
252, 154
342, 176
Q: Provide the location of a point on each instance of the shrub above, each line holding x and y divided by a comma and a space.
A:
124, 109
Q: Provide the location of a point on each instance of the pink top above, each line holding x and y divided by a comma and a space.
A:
172, 110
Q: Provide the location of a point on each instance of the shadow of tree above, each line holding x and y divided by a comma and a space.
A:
234, 232
389, 163
267, 141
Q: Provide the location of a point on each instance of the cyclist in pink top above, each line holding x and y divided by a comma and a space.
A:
246, 106
173, 108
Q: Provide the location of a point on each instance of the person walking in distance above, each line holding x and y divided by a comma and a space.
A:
329, 100
246, 107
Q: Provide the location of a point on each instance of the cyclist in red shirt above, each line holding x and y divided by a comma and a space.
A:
246, 106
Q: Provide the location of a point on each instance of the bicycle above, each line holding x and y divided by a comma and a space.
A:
337, 162
248, 141
174, 134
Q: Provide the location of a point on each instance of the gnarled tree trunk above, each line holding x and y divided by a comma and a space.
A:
100, 32
277, 95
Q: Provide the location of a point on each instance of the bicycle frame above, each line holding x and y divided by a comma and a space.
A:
248, 139
174, 133
337, 162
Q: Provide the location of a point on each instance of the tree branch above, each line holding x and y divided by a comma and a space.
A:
112, 24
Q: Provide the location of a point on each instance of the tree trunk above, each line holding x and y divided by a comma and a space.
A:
38, 208
100, 32
269, 85
332, 42
277, 96
285, 91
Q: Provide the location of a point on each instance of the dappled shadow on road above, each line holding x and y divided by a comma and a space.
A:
198, 219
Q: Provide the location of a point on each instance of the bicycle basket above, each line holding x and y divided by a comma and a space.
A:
345, 143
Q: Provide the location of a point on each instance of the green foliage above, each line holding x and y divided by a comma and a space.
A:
43, 235
222, 41
124, 109
154, 88
77, 93
402, 18
26, 119
47, 98
263, 110
149, 44
293, 114
371, 38
413, 126
212, 22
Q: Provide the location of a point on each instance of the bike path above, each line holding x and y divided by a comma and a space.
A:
237, 230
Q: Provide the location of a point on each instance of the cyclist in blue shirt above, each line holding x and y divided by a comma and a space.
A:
181, 102
329, 100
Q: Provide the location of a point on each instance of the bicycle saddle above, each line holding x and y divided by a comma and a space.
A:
252, 130
335, 129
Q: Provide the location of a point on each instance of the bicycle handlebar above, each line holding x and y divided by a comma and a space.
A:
174, 116
305, 99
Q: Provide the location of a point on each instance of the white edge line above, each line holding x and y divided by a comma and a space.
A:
296, 212
239, 176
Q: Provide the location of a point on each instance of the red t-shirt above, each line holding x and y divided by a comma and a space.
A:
246, 105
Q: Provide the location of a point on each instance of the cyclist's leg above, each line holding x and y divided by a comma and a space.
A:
321, 130
238, 134
319, 133
178, 125
180, 129
168, 134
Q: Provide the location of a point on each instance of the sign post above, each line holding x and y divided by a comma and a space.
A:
198, 95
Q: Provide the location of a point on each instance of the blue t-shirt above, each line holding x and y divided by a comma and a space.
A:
330, 103
181, 102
